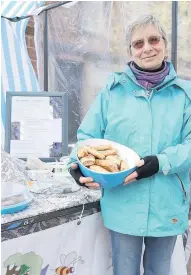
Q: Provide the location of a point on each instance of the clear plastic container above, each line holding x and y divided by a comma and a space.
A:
61, 183
14, 197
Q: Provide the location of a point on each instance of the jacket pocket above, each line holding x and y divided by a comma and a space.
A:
182, 187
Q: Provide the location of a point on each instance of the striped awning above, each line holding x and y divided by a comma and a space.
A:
11, 9
17, 70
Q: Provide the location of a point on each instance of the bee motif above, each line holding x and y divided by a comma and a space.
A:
67, 263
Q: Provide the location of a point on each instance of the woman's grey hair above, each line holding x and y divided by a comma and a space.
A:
144, 21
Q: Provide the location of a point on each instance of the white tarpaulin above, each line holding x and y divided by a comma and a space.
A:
83, 249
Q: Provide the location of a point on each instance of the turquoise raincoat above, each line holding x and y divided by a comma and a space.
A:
159, 125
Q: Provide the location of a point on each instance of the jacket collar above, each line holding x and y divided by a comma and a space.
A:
170, 77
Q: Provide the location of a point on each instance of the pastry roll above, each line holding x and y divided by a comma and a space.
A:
115, 159
102, 147
98, 169
109, 152
107, 164
95, 153
82, 152
88, 160
124, 166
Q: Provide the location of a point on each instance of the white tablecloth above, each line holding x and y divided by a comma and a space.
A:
84, 248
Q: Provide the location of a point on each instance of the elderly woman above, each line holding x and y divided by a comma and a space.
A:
147, 108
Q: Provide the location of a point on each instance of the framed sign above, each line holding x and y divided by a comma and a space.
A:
36, 125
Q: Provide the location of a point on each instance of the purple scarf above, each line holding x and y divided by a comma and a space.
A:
150, 79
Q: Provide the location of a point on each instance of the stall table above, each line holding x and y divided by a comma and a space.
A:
47, 211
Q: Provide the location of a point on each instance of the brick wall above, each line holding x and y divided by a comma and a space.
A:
30, 39
30, 43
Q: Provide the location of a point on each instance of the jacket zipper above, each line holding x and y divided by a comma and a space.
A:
148, 100
183, 189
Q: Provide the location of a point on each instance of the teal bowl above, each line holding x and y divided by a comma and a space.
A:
15, 208
110, 180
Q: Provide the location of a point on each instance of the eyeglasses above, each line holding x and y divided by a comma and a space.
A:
152, 40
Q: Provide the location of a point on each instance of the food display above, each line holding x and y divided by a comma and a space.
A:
102, 159
14, 197
12, 200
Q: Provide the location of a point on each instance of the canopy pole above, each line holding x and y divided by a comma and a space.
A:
174, 33
45, 51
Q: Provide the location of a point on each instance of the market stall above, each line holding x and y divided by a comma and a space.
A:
61, 231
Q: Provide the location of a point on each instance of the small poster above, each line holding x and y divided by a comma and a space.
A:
36, 127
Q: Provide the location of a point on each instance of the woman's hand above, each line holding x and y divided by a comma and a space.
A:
147, 167
84, 180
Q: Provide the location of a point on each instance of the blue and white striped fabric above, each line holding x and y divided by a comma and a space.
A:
17, 71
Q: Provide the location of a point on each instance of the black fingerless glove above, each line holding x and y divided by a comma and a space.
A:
76, 174
150, 167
